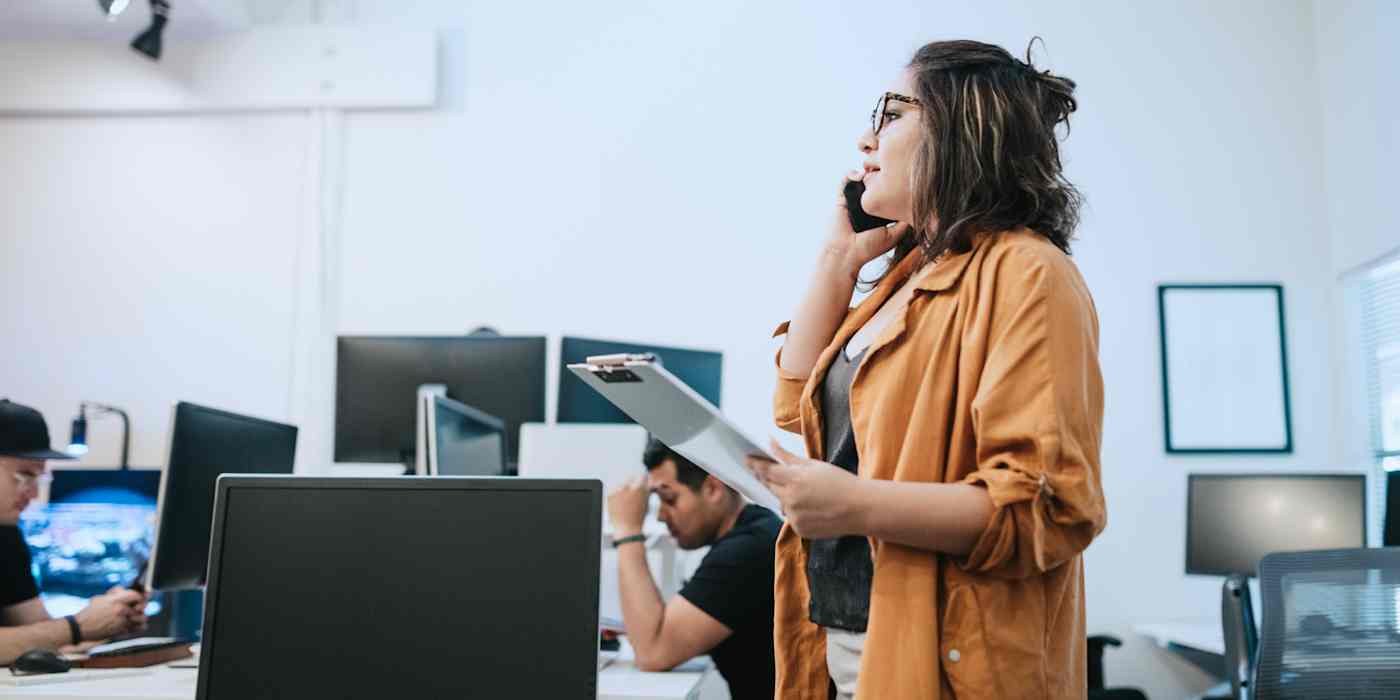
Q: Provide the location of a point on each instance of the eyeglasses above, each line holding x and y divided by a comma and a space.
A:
26, 481
878, 118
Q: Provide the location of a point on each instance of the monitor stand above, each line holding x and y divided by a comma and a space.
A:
181, 616
426, 392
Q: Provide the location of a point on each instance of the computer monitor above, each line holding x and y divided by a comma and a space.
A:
1233, 520
609, 452
206, 443
94, 533
377, 380
138, 486
414, 587
702, 370
464, 441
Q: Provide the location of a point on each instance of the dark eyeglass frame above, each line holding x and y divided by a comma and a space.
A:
877, 117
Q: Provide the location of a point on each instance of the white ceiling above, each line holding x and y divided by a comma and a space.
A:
189, 19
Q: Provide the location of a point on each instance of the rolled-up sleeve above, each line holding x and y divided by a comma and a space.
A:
1038, 422
787, 397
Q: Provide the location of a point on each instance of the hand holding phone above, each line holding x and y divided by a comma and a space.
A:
854, 236
860, 220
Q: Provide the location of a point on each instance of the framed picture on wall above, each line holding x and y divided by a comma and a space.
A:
1224, 369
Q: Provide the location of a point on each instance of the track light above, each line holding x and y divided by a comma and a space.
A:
148, 42
112, 8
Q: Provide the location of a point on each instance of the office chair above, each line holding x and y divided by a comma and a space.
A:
1096, 683
1241, 636
1331, 624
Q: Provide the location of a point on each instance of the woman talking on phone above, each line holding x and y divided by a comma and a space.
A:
932, 546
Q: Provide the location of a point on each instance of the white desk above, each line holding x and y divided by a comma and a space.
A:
1205, 636
1201, 642
622, 681
619, 681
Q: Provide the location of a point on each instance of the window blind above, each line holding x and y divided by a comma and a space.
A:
1380, 340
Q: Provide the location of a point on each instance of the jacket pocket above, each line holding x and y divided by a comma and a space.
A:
963, 647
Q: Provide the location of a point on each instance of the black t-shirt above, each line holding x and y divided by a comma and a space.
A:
16, 579
734, 585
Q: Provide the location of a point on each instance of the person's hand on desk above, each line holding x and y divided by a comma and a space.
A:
116, 612
627, 507
817, 497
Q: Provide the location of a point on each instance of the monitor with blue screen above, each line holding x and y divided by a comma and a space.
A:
94, 533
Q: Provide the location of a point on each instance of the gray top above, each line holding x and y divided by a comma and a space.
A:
839, 570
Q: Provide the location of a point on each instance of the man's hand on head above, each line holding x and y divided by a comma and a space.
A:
627, 507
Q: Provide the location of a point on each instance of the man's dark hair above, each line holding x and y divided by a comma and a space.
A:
686, 471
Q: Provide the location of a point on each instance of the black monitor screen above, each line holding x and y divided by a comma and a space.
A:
469, 442
403, 588
377, 380
1233, 520
205, 443
701, 370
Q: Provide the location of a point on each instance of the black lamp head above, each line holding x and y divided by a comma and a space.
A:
77, 441
149, 41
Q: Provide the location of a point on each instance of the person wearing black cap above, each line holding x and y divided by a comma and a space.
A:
24, 623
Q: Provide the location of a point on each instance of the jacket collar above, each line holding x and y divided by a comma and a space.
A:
941, 275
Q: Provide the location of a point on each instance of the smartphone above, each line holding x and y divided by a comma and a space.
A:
138, 584
861, 221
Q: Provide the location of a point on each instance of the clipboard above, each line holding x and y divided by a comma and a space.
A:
672, 412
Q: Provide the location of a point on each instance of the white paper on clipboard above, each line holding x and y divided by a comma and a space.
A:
679, 417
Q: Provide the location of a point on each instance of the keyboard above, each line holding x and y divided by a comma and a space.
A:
605, 658
135, 646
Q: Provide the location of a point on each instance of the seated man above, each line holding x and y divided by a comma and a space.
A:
725, 609
24, 623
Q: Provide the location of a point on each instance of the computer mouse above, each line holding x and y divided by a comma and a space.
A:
41, 661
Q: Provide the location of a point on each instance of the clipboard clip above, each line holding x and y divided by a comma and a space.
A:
612, 369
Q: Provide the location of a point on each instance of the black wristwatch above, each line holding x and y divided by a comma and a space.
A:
630, 538
74, 629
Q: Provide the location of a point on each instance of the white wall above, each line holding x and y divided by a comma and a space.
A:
683, 158
144, 261
1361, 126
1361, 133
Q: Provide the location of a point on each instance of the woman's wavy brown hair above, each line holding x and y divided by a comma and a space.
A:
989, 160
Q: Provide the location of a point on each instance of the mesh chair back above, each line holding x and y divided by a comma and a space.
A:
1331, 624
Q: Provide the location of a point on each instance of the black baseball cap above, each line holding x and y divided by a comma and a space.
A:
24, 434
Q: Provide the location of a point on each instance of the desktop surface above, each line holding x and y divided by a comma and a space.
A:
619, 681
408, 587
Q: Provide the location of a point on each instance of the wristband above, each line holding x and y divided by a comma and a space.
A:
630, 538
74, 629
